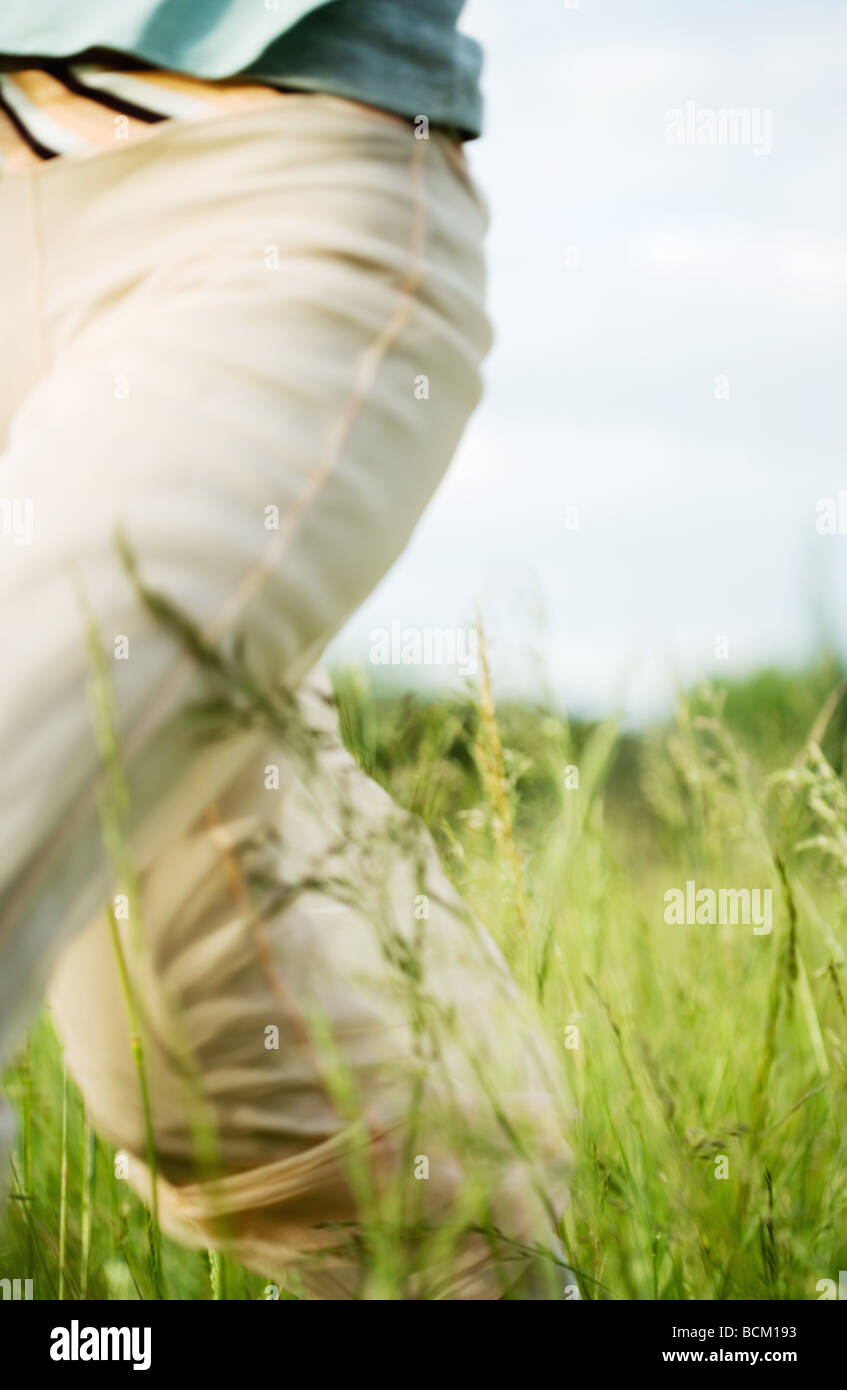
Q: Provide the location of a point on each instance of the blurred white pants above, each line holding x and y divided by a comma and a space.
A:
223, 330
216, 331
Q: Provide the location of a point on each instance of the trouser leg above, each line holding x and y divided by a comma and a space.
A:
353, 1034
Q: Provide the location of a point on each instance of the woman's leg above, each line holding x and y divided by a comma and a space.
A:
238, 314
231, 317
317, 995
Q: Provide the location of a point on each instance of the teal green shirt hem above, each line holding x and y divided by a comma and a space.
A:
405, 56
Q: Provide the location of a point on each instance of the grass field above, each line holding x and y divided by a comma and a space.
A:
707, 1063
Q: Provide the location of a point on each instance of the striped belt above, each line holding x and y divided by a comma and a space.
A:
68, 109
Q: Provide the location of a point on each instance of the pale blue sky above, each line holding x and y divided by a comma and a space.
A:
697, 515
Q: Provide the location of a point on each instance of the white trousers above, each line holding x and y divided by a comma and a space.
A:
224, 327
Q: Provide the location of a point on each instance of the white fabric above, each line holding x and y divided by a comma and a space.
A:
227, 317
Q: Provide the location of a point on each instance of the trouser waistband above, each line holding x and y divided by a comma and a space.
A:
61, 109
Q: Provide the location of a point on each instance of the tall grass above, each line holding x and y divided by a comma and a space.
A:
707, 1064
114, 817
